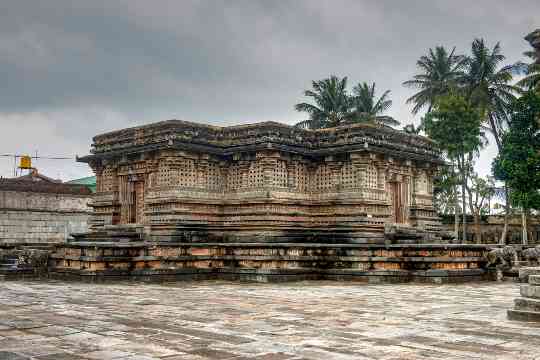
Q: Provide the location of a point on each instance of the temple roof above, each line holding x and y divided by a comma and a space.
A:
225, 140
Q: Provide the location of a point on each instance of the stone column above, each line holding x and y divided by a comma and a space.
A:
268, 162
292, 182
201, 169
243, 166
224, 174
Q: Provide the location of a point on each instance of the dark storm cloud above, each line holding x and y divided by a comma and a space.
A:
76, 68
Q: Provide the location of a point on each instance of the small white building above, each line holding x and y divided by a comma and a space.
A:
37, 209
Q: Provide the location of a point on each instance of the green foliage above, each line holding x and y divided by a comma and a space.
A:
531, 81
366, 106
445, 191
454, 125
333, 106
478, 76
481, 190
487, 84
439, 74
532, 78
518, 162
413, 130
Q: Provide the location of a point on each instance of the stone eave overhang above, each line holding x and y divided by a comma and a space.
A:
242, 134
265, 145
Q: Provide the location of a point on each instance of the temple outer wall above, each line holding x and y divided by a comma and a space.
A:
28, 217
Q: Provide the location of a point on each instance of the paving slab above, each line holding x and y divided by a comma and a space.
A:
46, 320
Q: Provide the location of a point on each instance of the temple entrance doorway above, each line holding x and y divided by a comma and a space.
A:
138, 202
132, 200
399, 194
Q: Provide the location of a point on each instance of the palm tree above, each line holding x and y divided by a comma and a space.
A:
331, 104
532, 71
532, 78
367, 108
413, 130
487, 84
440, 71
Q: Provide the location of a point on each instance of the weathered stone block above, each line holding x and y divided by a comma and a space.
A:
522, 315
527, 304
534, 280
530, 291
525, 272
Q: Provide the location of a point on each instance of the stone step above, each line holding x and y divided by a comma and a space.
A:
7, 266
521, 315
534, 280
530, 291
15, 271
525, 272
36, 247
527, 304
9, 261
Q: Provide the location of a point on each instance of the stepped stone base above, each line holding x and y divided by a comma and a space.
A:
523, 315
269, 262
527, 307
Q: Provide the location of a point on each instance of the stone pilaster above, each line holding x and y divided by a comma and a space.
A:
292, 181
335, 168
201, 169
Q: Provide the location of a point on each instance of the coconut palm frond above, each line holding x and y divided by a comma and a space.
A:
330, 104
366, 107
439, 74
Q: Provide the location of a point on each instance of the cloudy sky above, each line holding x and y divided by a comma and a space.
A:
72, 69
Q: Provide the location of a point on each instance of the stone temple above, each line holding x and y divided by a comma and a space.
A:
265, 201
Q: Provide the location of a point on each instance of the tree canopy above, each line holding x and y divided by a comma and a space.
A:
454, 124
518, 162
332, 105
367, 107
439, 73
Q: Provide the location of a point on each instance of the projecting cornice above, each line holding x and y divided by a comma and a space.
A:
224, 141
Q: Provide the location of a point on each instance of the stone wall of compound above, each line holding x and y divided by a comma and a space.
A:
30, 217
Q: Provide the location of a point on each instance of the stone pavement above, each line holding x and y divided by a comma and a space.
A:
221, 320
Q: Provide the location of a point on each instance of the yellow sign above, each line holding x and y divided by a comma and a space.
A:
26, 162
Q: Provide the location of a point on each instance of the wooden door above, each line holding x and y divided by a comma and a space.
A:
131, 201
400, 196
397, 202
138, 202
132, 213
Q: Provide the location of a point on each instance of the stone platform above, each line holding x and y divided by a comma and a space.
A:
269, 262
527, 307
53, 320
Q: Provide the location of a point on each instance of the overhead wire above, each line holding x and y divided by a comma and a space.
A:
40, 157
